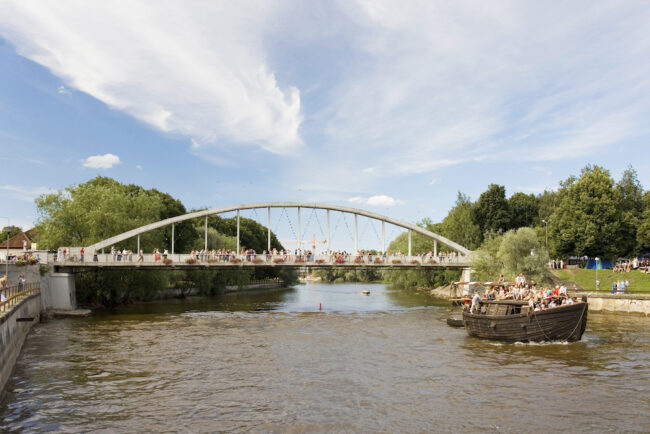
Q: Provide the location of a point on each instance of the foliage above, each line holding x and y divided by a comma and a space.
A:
524, 210
491, 212
510, 254
643, 230
419, 244
485, 260
13, 231
101, 208
459, 226
113, 287
521, 252
340, 275
43, 269
252, 234
588, 220
420, 277
631, 205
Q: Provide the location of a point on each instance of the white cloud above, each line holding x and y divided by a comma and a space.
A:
433, 181
105, 161
61, 90
23, 193
198, 69
379, 200
139, 167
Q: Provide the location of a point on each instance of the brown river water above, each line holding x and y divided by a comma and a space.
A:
271, 362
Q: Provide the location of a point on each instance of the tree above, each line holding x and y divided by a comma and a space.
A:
459, 226
13, 231
521, 252
486, 264
524, 210
631, 205
643, 230
101, 208
252, 234
589, 218
491, 211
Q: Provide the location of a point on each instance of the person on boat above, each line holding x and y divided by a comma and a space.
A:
476, 303
552, 303
569, 301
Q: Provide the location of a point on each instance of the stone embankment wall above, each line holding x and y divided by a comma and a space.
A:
623, 303
14, 328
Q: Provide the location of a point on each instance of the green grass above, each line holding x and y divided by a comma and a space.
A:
586, 279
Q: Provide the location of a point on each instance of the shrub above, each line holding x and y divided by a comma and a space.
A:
167, 261
190, 261
258, 261
358, 260
278, 260
414, 261
320, 261
32, 260
43, 269
377, 260
235, 260
299, 261
20, 263
397, 261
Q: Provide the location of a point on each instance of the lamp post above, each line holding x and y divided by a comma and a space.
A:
546, 223
597, 282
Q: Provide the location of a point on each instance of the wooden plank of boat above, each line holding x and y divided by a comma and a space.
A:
511, 322
455, 322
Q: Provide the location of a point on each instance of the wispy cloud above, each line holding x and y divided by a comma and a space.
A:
24, 193
197, 69
105, 161
62, 90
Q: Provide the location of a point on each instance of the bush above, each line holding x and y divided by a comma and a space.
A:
20, 263
32, 260
278, 260
258, 261
190, 261
43, 269
167, 261
397, 261
320, 261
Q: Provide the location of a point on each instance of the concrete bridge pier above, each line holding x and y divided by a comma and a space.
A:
58, 291
466, 276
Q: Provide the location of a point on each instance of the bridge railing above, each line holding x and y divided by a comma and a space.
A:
11, 296
256, 259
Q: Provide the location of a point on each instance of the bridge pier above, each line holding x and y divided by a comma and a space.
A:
466, 276
58, 291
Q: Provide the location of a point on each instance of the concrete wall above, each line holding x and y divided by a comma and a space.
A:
13, 334
58, 291
634, 304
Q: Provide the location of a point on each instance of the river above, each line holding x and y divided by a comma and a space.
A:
271, 361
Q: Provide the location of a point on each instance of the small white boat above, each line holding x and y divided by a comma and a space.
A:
365, 292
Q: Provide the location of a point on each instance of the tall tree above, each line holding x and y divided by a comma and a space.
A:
459, 226
589, 218
643, 229
524, 210
491, 211
631, 193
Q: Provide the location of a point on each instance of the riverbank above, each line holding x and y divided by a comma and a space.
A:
635, 304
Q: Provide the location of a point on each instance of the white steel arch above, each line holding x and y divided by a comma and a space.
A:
355, 211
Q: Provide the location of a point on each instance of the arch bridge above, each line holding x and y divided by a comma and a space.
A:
458, 257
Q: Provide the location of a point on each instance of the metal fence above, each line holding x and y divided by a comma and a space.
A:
11, 296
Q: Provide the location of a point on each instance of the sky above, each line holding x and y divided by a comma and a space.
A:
388, 106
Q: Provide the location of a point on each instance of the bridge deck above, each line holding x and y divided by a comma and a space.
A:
186, 261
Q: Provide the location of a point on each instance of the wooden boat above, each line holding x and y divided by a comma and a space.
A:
514, 321
455, 322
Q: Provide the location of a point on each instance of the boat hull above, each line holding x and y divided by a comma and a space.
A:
563, 323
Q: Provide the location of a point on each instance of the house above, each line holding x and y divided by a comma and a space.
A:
25, 239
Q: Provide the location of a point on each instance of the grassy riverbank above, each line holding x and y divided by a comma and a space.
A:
586, 279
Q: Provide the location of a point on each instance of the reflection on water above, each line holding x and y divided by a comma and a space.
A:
270, 361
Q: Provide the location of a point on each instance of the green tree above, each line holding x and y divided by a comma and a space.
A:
252, 234
459, 226
491, 211
631, 205
521, 252
643, 229
101, 208
13, 231
588, 219
524, 210
486, 264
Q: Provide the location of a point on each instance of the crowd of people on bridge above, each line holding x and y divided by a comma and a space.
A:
541, 298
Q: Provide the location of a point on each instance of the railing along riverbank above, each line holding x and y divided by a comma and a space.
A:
11, 296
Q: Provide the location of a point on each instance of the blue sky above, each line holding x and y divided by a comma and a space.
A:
383, 105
